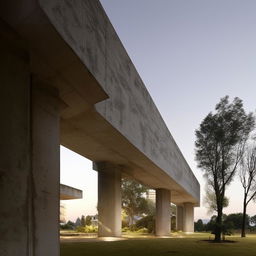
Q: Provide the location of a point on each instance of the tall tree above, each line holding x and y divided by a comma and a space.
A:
134, 201
219, 148
247, 175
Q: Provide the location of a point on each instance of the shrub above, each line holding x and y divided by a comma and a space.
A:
142, 230
87, 229
147, 222
125, 229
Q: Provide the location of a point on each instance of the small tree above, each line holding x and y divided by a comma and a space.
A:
199, 226
88, 220
134, 201
248, 180
219, 148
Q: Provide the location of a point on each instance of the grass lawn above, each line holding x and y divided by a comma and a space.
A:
187, 246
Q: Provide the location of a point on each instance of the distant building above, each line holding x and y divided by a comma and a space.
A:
151, 195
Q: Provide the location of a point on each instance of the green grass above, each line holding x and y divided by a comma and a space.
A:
188, 246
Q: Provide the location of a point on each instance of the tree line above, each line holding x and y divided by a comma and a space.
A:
231, 223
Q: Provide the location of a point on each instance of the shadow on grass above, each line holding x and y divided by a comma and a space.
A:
222, 242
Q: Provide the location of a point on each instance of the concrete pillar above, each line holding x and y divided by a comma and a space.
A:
109, 199
163, 212
188, 218
179, 217
29, 159
45, 176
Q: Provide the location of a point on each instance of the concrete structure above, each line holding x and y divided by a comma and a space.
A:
66, 79
163, 212
185, 217
109, 198
70, 193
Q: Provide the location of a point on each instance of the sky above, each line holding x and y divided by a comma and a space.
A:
189, 53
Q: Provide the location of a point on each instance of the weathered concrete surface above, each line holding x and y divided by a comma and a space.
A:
109, 199
45, 176
29, 163
163, 212
129, 109
179, 217
72, 45
188, 218
68, 193
15, 165
84, 58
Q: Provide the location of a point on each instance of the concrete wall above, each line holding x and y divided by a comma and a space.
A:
130, 109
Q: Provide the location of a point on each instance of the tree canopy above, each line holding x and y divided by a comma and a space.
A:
134, 201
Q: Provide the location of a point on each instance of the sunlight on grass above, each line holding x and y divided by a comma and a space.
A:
177, 244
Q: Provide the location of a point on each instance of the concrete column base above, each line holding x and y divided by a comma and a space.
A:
163, 212
109, 199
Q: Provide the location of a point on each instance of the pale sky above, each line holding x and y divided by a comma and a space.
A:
189, 53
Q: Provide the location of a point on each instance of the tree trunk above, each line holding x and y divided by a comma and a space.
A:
244, 220
218, 226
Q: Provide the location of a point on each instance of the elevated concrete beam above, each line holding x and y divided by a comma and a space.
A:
68, 193
87, 62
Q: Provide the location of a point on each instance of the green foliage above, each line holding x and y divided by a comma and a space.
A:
142, 231
253, 220
125, 229
68, 226
211, 202
230, 223
87, 229
134, 229
173, 223
199, 226
147, 222
219, 148
133, 199
210, 226
237, 220
88, 220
